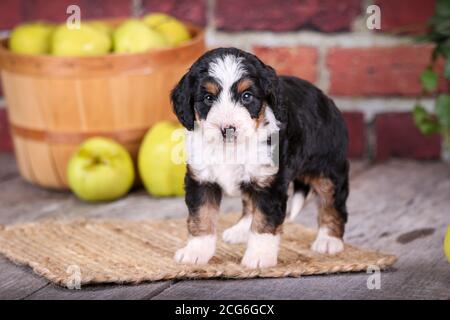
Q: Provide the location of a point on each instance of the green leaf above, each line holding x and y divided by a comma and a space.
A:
443, 28
429, 127
447, 69
442, 8
424, 121
442, 48
435, 54
443, 110
429, 80
435, 20
420, 114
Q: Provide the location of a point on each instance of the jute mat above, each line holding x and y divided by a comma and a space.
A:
123, 251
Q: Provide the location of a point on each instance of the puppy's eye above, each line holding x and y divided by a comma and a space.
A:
246, 97
208, 99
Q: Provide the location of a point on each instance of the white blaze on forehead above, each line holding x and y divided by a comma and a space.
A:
227, 70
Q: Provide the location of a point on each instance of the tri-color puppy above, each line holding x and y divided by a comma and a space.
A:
229, 92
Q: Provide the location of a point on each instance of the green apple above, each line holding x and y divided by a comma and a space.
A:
32, 38
134, 36
161, 160
100, 170
447, 244
173, 30
84, 41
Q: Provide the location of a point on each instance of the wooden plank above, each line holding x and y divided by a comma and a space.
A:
17, 282
330, 287
8, 168
402, 207
357, 167
101, 292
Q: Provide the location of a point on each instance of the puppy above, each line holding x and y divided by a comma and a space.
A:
231, 96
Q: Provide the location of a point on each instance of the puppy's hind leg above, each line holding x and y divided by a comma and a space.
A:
239, 232
301, 191
332, 214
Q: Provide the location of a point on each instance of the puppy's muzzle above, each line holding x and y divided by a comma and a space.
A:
229, 133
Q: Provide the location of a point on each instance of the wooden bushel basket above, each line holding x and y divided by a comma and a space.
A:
55, 103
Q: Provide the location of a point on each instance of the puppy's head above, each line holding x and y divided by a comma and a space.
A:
229, 91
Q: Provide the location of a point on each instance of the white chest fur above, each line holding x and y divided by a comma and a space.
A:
248, 160
230, 176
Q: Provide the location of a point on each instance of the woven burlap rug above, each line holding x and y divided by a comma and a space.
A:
123, 251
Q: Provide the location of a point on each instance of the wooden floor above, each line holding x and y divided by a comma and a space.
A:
401, 207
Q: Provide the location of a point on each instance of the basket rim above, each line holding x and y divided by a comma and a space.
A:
45, 64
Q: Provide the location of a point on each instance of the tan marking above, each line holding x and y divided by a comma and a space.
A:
260, 225
328, 215
211, 87
266, 179
243, 85
197, 117
204, 221
259, 222
261, 116
247, 205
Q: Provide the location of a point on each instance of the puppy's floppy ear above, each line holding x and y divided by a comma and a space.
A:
271, 87
182, 102
269, 83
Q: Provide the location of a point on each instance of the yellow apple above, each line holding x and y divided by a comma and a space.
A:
173, 30
84, 41
100, 170
447, 244
161, 160
32, 38
102, 26
134, 36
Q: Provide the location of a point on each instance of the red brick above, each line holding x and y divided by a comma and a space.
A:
356, 133
49, 10
377, 70
335, 15
10, 13
55, 10
296, 61
323, 15
108, 8
5, 138
397, 136
187, 10
405, 16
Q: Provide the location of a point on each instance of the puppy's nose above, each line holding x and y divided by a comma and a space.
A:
229, 133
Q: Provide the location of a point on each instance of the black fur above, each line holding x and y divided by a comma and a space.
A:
313, 136
201, 193
300, 186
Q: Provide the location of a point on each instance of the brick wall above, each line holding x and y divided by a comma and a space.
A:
372, 75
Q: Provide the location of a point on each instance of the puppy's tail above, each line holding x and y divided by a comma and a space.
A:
301, 191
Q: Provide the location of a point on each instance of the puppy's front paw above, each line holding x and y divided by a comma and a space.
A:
197, 251
253, 260
239, 232
262, 251
325, 243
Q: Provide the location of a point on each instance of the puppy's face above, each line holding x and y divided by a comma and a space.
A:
229, 99
227, 92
